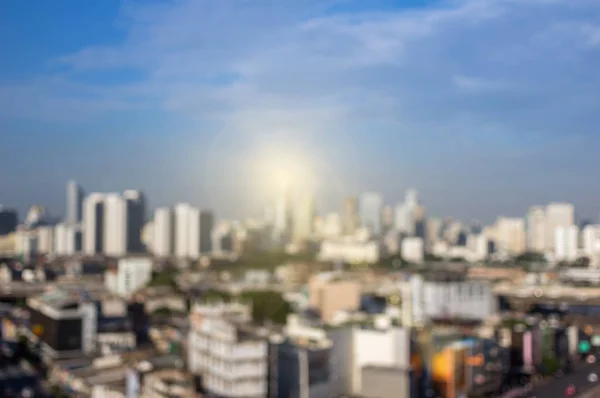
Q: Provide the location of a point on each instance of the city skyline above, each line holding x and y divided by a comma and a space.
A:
484, 118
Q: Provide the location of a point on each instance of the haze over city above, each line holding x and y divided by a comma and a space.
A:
485, 107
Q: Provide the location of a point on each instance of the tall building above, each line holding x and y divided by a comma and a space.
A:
135, 207
566, 243
371, 205
350, 216
433, 231
74, 203
115, 225
183, 226
282, 218
67, 239
93, 224
8, 220
207, 224
164, 233
303, 220
510, 235
536, 229
590, 237
557, 215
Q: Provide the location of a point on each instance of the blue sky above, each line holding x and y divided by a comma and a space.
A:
485, 106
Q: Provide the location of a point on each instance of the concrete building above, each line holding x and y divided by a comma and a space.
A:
350, 250
303, 219
67, 239
115, 225
183, 215
230, 355
536, 229
45, 236
329, 294
74, 209
557, 215
566, 246
332, 226
350, 218
371, 204
8, 220
93, 224
130, 275
164, 232
590, 237
413, 250
135, 210
510, 235
433, 232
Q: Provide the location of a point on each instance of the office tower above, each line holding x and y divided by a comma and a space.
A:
557, 215
410, 216
411, 198
350, 216
590, 237
207, 224
164, 233
420, 217
536, 229
510, 235
74, 203
135, 207
8, 220
405, 221
282, 217
93, 224
433, 231
303, 220
183, 216
45, 237
67, 239
115, 225
566, 243
370, 211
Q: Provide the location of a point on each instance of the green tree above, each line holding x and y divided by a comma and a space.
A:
267, 306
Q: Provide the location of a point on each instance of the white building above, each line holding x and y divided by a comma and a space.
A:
131, 275
231, 356
350, 250
371, 204
332, 225
163, 236
93, 224
303, 219
590, 237
67, 239
536, 229
413, 249
438, 296
557, 215
566, 246
183, 229
45, 237
510, 235
115, 225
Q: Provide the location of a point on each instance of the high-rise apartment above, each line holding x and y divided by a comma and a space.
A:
183, 215
350, 216
115, 225
303, 220
371, 204
557, 215
566, 243
207, 224
135, 208
536, 229
510, 235
164, 232
74, 203
93, 224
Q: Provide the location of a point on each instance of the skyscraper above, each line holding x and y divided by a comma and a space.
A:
303, 219
115, 225
350, 216
510, 235
136, 218
207, 224
557, 215
8, 220
74, 203
93, 223
536, 229
183, 216
370, 211
164, 234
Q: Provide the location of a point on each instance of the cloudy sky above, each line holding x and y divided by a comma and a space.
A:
485, 106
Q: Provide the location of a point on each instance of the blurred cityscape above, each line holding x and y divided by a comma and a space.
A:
377, 301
